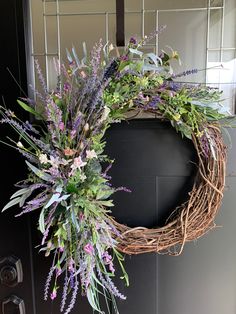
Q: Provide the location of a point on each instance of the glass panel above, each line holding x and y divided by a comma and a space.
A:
214, 56
52, 77
133, 5
173, 4
50, 7
215, 28
189, 41
75, 31
229, 55
51, 22
216, 3
88, 6
133, 25
230, 26
150, 25
37, 25
223, 76
112, 28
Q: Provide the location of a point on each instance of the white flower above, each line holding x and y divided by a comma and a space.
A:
82, 177
20, 145
43, 159
90, 154
105, 113
54, 161
78, 163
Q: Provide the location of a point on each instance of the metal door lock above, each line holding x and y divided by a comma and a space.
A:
11, 272
13, 305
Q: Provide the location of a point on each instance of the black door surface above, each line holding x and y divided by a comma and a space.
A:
155, 163
15, 245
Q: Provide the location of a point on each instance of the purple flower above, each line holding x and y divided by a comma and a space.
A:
133, 41
111, 268
154, 102
48, 281
88, 248
71, 265
67, 87
53, 295
61, 126
106, 257
61, 249
124, 58
185, 73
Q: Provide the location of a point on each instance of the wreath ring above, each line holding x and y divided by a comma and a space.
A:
67, 183
193, 218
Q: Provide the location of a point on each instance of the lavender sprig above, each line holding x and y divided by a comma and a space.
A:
48, 282
64, 293
109, 285
73, 297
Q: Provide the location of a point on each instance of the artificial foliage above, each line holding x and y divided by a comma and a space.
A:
68, 180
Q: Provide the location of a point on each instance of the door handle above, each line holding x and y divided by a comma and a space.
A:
13, 305
11, 272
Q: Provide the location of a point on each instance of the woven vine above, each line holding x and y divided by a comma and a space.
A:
193, 218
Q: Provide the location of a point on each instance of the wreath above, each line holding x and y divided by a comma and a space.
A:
69, 183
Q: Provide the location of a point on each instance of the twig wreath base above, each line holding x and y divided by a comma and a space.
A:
190, 220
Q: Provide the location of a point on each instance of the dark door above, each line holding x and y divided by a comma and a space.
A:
15, 244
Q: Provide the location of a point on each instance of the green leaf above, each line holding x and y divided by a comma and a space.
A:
41, 221
24, 198
42, 175
56, 198
92, 302
19, 192
29, 109
104, 194
135, 51
11, 203
106, 203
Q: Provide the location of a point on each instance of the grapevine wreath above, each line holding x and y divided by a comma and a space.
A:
68, 173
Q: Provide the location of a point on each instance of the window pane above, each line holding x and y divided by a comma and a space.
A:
189, 41
215, 28
173, 4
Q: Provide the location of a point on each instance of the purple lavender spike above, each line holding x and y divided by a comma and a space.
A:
48, 282
28, 156
108, 283
64, 294
123, 188
73, 297
185, 73
40, 76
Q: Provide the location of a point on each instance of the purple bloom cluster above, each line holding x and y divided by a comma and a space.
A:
185, 73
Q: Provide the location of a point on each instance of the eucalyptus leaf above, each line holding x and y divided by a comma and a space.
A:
20, 192
11, 203
150, 67
153, 57
24, 198
42, 175
75, 56
42, 221
135, 51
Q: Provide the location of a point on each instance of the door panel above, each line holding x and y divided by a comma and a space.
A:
15, 233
